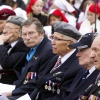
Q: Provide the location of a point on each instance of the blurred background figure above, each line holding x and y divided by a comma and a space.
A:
89, 24
83, 12
47, 5
67, 9
4, 14
35, 9
56, 15
14, 5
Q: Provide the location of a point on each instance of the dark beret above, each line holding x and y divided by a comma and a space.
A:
15, 20
66, 29
5, 13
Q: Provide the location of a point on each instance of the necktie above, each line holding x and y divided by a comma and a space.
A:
56, 65
84, 76
30, 54
8, 47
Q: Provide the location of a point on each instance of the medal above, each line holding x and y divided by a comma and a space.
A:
49, 87
46, 86
53, 89
25, 81
99, 92
98, 83
58, 90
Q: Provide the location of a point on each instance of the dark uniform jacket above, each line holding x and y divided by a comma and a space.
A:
36, 65
9, 61
62, 78
92, 92
78, 88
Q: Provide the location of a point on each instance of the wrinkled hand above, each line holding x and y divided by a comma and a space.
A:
7, 94
4, 38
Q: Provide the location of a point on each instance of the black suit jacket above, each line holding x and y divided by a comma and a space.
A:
93, 89
9, 61
37, 64
76, 89
63, 75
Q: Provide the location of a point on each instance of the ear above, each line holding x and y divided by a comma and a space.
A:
71, 42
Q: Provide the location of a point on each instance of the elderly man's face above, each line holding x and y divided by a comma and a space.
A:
10, 28
84, 58
31, 36
60, 44
95, 54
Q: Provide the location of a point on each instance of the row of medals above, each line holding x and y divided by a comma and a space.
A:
51, 87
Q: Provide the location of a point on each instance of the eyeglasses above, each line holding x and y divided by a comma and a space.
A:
57, 39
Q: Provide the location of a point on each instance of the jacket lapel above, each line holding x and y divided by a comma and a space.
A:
80, 89
76, 81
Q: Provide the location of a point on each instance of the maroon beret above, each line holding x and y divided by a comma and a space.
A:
5, 13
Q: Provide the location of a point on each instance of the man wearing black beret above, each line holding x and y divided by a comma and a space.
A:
60, 70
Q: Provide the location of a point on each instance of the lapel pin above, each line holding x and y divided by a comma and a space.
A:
35, 58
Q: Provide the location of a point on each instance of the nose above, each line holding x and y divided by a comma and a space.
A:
92, 54
27, 36
78, 54
5, 31
53, 41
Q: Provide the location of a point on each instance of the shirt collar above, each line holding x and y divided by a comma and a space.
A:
92, 69
13, 43
64, 58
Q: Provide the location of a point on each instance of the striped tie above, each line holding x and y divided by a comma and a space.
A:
56, 65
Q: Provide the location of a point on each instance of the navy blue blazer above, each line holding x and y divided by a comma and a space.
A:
77, 89
93, 89
37, 64
63, 75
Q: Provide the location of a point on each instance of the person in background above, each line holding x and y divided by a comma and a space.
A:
89, 24
93, 91
34, 9
4, 14
56, 15
20, 3
12, 49
68, 10
83, 12
14, 6
88, 75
